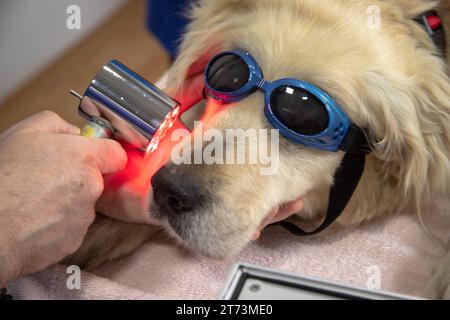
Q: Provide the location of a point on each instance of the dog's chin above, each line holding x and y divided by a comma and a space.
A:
199, 236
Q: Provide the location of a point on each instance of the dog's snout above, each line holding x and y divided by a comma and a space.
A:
173, 193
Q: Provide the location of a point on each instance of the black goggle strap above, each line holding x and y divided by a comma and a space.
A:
346, 180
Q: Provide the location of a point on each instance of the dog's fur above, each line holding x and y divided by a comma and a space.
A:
391, 81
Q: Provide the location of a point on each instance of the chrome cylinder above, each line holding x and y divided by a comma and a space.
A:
133, 107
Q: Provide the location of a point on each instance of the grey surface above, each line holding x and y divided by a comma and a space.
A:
249, 282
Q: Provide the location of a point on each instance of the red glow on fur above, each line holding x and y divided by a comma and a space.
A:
213, 108
135, 179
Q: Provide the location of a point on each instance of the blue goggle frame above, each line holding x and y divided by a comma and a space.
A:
330, 139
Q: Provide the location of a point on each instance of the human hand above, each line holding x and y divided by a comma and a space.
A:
51, 178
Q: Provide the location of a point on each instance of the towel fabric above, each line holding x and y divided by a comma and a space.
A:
393, 254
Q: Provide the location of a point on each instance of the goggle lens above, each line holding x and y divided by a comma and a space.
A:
299, 110
228, 73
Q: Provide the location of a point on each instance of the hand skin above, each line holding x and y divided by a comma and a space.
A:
51, 178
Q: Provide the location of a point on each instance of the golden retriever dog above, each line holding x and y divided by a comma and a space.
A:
391, 80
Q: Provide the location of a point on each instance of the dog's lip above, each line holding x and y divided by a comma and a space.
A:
154, 215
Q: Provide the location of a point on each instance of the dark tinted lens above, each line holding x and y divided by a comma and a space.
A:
228, 73
299, 110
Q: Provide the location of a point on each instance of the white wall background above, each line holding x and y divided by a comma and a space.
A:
33, 33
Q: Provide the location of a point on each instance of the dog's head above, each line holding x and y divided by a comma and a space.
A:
386, 75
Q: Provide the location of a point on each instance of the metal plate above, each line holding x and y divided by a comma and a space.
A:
248, 282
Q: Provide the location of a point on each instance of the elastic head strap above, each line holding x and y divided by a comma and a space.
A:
346, 180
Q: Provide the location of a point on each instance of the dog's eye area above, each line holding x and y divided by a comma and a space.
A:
299, 110
228, 73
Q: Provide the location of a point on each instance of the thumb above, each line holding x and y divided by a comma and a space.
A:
109, 155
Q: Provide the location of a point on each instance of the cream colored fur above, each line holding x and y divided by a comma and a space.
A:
391, 81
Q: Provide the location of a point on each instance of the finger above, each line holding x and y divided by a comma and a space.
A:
109, 155
256, 235
288, 209
279, 214
269, 217
45, 121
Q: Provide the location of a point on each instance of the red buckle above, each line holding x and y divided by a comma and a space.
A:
434, 22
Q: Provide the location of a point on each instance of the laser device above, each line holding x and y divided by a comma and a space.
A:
120, 104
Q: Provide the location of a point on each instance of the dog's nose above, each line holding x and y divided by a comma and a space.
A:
172, 193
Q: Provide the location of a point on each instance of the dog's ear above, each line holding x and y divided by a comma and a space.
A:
409, 116
406, 106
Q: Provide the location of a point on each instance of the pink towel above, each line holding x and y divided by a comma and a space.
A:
397, 248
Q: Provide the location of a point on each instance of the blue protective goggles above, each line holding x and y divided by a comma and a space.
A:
301, 111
